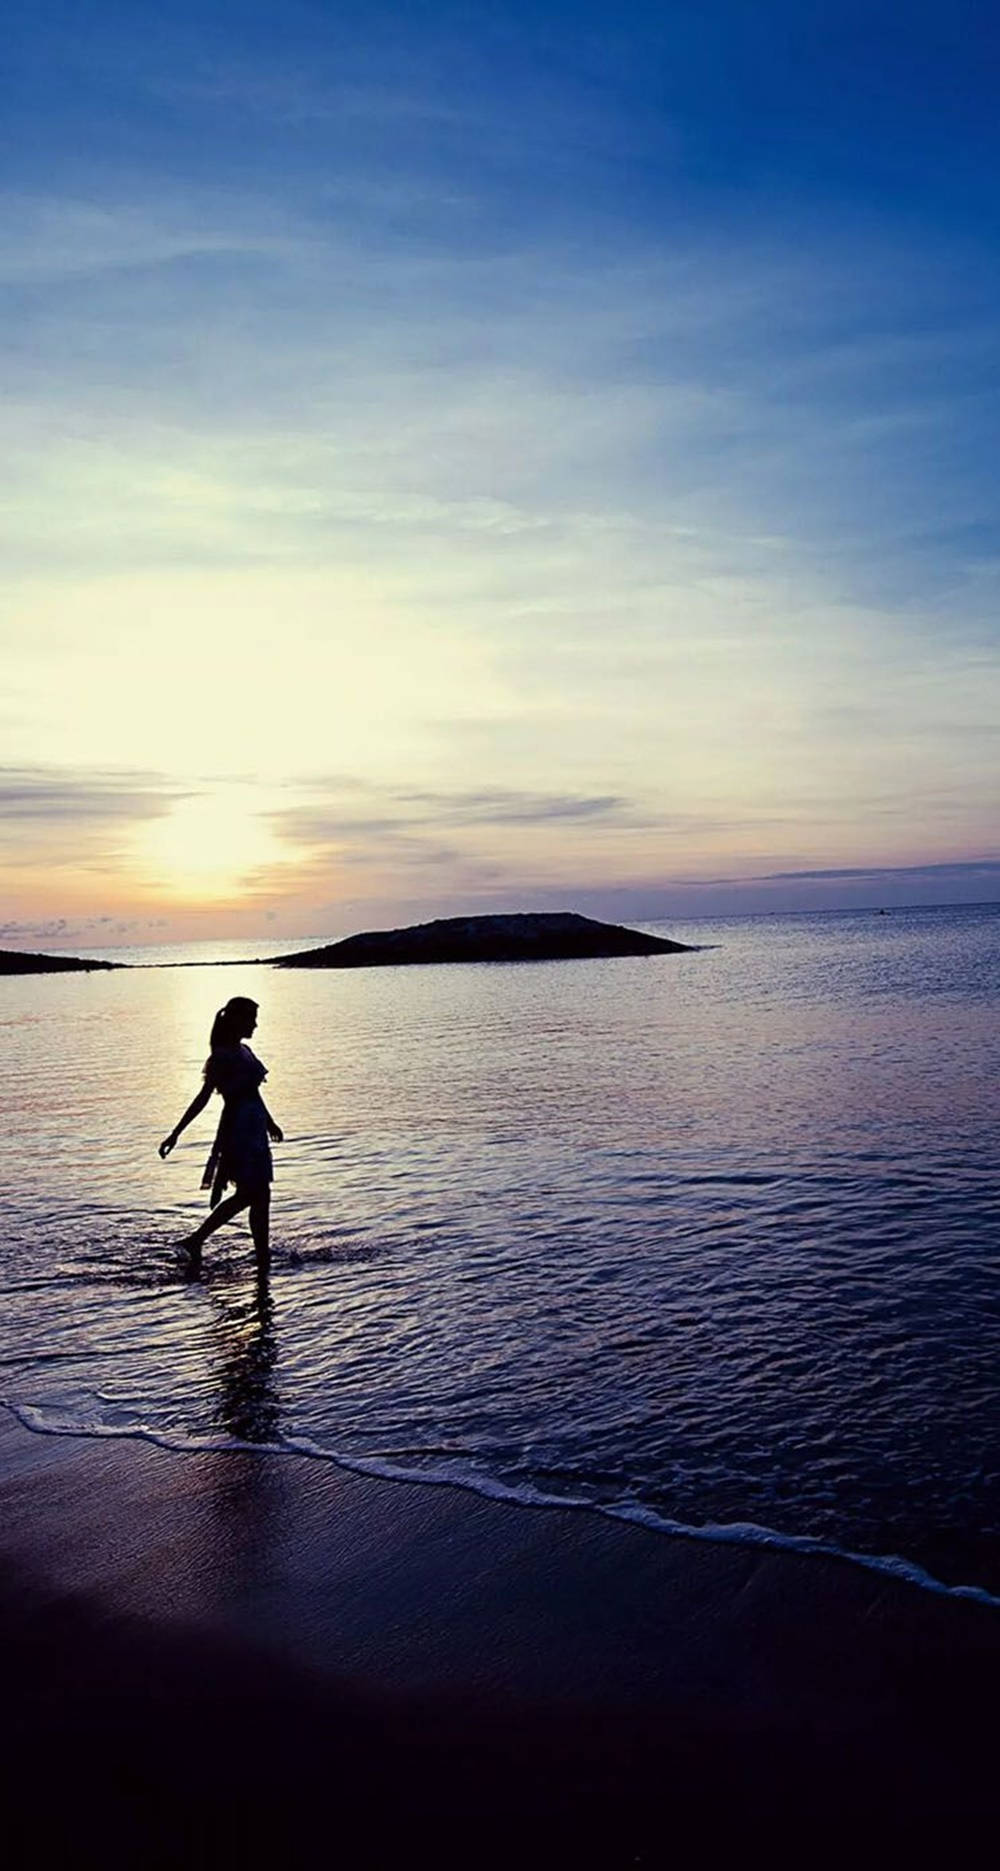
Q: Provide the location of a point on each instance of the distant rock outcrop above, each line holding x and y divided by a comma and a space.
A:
562, 937
16, 961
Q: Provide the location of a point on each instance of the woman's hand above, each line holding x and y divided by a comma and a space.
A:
168, 1144
275, 1131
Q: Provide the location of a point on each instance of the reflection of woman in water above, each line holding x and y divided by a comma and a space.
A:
241, 1153
249, 1406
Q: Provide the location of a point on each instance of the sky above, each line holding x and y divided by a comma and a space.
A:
486, 458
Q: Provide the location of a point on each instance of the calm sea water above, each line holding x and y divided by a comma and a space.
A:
710, 1239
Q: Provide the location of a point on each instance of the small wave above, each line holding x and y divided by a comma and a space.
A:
724, 1533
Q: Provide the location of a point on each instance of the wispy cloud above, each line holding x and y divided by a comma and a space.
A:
64, 817
308, 824
967, 870
93, 798
84, 930
51, 239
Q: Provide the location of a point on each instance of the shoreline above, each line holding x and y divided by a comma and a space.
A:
895, 1567
422, 1660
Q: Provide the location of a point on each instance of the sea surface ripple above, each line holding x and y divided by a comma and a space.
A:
705, 1239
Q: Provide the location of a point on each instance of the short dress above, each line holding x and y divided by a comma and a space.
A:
241, 1152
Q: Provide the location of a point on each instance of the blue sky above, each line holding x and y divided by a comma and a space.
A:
468, 458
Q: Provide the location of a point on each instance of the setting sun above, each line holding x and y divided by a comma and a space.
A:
206, 846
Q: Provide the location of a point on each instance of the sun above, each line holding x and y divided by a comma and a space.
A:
208, 847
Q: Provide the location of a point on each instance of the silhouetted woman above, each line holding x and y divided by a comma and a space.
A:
241, 1153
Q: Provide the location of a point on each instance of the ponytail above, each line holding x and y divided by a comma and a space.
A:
227, 1024
222, 1028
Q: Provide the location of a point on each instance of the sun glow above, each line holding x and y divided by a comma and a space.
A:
210, 846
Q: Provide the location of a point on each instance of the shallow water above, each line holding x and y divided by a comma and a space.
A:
709, 1238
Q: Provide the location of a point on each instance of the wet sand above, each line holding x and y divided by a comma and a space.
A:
230, 1657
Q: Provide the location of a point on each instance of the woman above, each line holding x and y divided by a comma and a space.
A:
241, 1153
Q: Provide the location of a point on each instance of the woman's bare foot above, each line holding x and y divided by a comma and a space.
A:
189, 1253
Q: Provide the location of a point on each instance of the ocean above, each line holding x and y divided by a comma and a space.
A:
705, 1240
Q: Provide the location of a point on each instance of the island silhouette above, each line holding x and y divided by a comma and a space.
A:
557, 936
545, 936
19, 961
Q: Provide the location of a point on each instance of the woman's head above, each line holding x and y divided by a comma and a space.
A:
233, 1022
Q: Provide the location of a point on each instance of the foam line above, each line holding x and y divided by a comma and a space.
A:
724, 1533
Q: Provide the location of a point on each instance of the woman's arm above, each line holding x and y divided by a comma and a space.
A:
274, 1130
198, 1103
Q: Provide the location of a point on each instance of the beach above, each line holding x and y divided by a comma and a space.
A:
250, 1654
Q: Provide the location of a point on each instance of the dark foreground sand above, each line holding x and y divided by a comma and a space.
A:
240, 1659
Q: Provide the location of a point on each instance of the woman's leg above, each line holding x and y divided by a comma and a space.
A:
260, 1226
223, 1212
